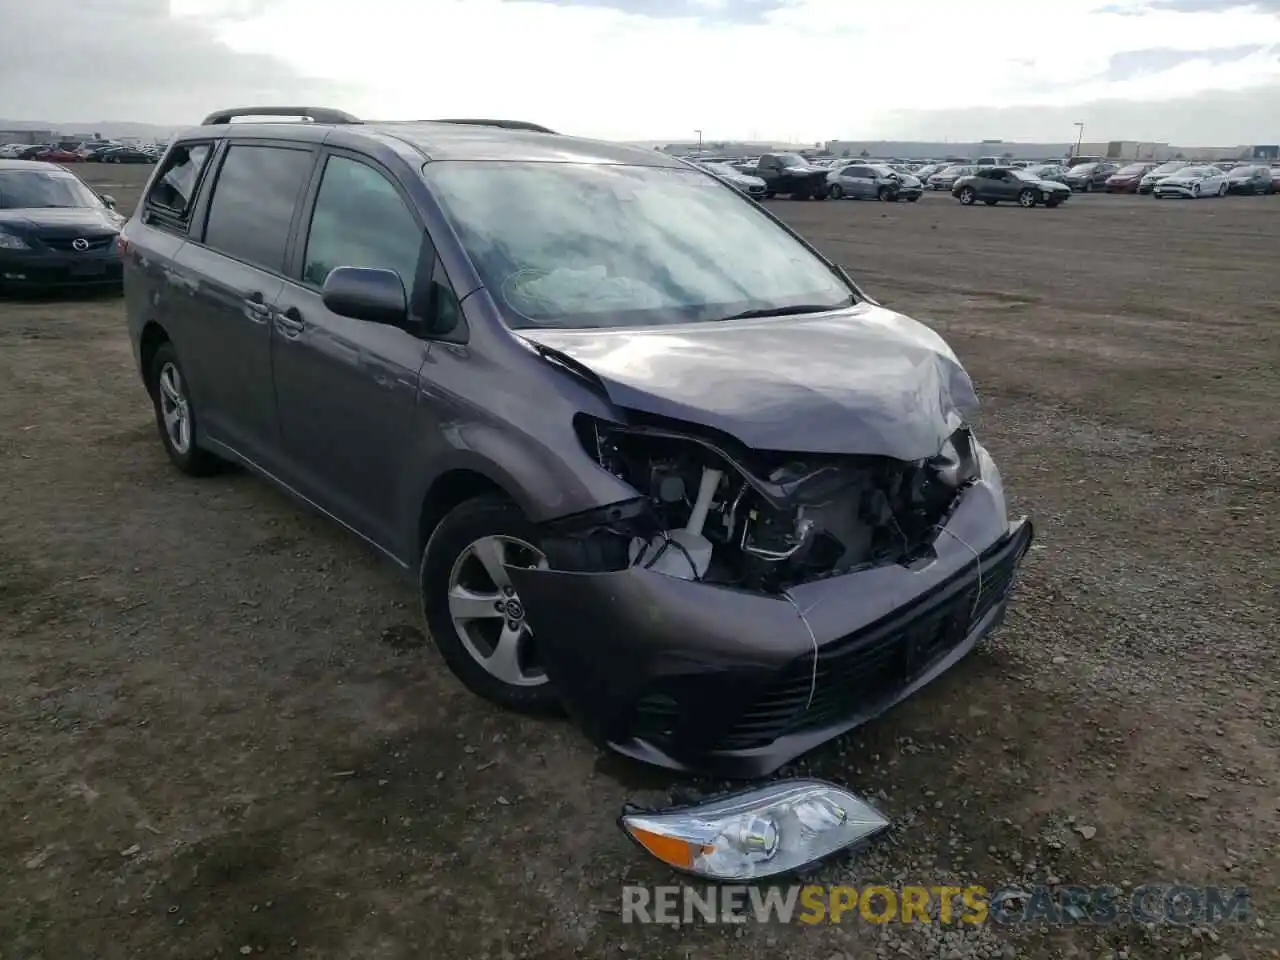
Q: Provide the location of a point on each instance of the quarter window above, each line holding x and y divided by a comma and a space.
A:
360, 220
254, 201
175, 188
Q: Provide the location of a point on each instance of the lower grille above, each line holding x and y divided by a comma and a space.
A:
68, 243
876, 663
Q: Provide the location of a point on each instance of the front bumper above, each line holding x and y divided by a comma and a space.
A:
908, 192
1123, 186
1173, 190
705, 678
39, 269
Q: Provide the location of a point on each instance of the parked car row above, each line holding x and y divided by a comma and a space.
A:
93, 151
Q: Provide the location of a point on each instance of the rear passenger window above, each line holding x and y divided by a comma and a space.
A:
360, 220
253, 203
174, 189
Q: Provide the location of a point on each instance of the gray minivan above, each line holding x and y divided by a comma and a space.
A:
651, 457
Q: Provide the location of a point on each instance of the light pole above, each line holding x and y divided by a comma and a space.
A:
1079, 125
699, 133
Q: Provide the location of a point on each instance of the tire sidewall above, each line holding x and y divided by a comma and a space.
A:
465, 524
967, 196
194, 461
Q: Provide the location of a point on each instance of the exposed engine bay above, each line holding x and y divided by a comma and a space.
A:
711, 510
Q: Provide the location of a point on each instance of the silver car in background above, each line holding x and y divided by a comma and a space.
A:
752, 186
1167, 169
871, 181
946, 178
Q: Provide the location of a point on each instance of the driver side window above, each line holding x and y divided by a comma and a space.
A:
360, 221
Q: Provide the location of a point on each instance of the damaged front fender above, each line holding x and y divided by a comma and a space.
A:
711, 678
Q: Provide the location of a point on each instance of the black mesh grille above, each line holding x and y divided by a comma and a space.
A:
877, 662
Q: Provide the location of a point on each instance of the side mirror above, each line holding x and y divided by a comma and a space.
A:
366, 293
109, 200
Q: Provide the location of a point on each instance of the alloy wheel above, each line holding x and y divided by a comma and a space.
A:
175, 409
487, 612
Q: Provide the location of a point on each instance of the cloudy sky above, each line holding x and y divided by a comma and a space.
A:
1190, 72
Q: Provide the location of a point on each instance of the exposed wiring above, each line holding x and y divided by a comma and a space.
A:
977, 556
813, 677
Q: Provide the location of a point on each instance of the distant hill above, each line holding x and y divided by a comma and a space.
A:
109, 129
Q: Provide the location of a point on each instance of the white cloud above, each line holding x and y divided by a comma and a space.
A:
813, 70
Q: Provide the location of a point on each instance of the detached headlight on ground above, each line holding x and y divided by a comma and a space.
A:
757, 833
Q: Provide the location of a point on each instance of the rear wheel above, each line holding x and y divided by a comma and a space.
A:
1027, 198
176, 416
474, 615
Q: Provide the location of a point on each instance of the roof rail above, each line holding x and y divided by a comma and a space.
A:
505, 124
313, 114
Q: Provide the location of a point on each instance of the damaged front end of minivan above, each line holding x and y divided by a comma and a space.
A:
746, 605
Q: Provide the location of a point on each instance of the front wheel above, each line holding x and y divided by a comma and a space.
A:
1088, 186
967, 196
836, 192
1222, 190
885, 194
475, 617
175, 414
1027, 198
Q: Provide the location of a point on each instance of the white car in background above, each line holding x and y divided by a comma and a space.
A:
1193, 183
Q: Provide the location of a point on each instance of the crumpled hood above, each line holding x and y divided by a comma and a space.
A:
862, 380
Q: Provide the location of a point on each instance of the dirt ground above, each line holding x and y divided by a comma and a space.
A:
222, 731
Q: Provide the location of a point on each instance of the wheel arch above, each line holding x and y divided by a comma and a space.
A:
152, 338
448, 490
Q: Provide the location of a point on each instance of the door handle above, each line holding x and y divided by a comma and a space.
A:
289, 322
256, 308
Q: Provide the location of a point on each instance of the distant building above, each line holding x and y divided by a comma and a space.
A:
27, 136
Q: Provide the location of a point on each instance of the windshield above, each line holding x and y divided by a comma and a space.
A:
1132, 170
1083, 169
22, 189
1167, 168
1021, 174
793, 160
604, 245
1243, 171
1198, 172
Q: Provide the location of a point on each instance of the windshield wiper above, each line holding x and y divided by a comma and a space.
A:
787, 311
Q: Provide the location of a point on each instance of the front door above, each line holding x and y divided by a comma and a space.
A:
346, 389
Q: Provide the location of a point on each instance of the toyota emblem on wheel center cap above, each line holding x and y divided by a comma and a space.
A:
80, 243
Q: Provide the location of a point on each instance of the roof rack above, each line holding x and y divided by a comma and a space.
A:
504, 124
311, 114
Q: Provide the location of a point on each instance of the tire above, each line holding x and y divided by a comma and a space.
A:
1027, 198
1053, 203
1222, 190
913, 198
1088, 186
769, 194
1195, 191
451, 564
967, 196
836, 192
175, 415
885, 194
